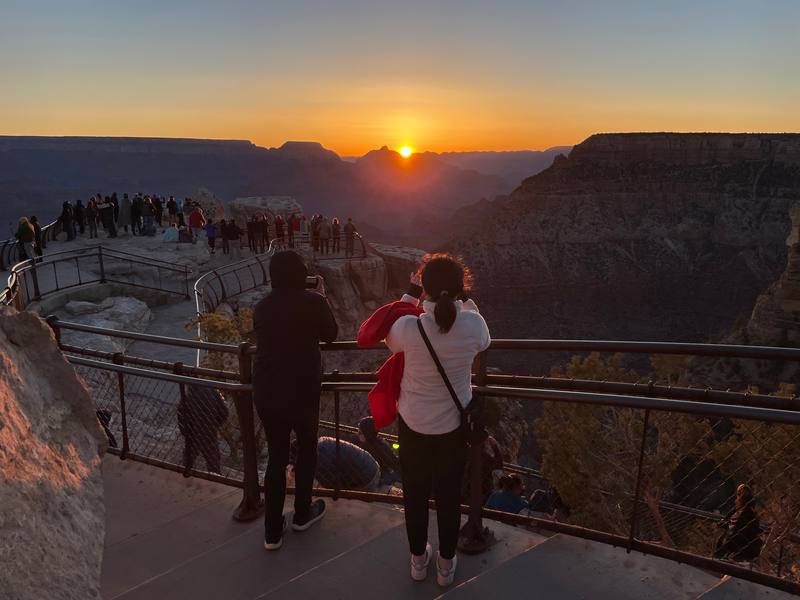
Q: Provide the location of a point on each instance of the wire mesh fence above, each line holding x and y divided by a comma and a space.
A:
705, 484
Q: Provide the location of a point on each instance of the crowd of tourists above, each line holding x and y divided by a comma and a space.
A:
184, 221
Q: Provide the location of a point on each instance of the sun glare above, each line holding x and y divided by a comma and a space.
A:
406, 151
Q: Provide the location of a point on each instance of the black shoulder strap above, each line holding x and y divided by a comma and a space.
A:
439, 366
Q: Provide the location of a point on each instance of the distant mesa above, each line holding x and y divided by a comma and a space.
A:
307, 151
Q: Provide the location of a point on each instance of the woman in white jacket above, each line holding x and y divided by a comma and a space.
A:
432, 440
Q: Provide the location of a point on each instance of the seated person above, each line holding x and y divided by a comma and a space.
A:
380, 450
170, 234
185, 236
508, 497
359, 471
742, 538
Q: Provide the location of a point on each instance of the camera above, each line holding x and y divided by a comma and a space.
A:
312, 281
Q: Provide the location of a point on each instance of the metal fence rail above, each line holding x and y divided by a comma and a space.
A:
34, 279
645, 466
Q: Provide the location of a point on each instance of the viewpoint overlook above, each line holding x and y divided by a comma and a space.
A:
683, 246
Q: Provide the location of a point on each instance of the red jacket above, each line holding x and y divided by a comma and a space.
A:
384, 396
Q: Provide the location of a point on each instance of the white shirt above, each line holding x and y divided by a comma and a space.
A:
425, 404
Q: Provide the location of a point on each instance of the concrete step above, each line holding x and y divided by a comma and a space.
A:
380, 568
566, 568
729, 588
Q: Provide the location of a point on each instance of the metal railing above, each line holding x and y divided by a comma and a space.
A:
659, 458
34, 279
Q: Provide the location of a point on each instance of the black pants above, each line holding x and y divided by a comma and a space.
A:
278, 430
437, 462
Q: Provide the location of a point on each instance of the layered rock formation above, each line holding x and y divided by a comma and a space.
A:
775, 321
637, 236
51, 490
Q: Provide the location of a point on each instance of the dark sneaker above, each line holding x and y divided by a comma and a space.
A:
315, 514
274, 544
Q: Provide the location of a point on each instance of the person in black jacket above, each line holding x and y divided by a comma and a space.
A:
289, 324
742, 538
201, 412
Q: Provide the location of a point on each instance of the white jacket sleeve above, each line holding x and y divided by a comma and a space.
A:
394, 340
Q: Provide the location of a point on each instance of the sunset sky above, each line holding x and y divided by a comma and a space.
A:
432, 75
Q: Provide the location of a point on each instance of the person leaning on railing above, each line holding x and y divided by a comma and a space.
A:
289, 324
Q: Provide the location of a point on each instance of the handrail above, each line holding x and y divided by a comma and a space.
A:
26, 274
521, 387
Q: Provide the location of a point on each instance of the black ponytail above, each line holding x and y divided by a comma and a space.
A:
443, 278
445, 312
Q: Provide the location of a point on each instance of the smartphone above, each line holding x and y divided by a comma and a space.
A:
311, 282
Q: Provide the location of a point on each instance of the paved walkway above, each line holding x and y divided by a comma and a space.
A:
168, 537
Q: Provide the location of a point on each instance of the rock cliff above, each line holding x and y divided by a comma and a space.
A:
51, 491
637, 236
775, 321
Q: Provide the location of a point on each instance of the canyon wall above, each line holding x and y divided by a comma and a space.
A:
637, 236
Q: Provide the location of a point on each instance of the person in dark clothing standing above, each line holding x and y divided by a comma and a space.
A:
201, 412
37, 235
742, 538
106, 209
67, 222
289, 324
349, 238
80, 217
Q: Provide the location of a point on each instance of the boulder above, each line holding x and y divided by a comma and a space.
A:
116, 312
213, 207
51, 489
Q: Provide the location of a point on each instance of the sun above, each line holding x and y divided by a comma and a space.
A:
406, 151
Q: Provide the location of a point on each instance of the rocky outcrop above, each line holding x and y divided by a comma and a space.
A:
51, 490
775, 321
776, 316
116, 312
637, 236
213, 207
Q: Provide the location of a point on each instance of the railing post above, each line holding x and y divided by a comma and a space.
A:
474, 538
186, 279
102, 266
251, 506
338, 487
118, 359
37, 295
637, 494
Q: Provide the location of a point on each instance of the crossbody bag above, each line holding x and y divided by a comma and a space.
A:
470, 416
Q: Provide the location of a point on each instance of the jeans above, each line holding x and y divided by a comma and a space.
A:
432, 461
278, 430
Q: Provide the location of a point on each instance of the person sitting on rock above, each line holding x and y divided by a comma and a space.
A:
508, 497
380, 450
171, 234
201, 412
742, 538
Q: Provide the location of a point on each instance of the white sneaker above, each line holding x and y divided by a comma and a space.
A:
444, 577
420, 572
